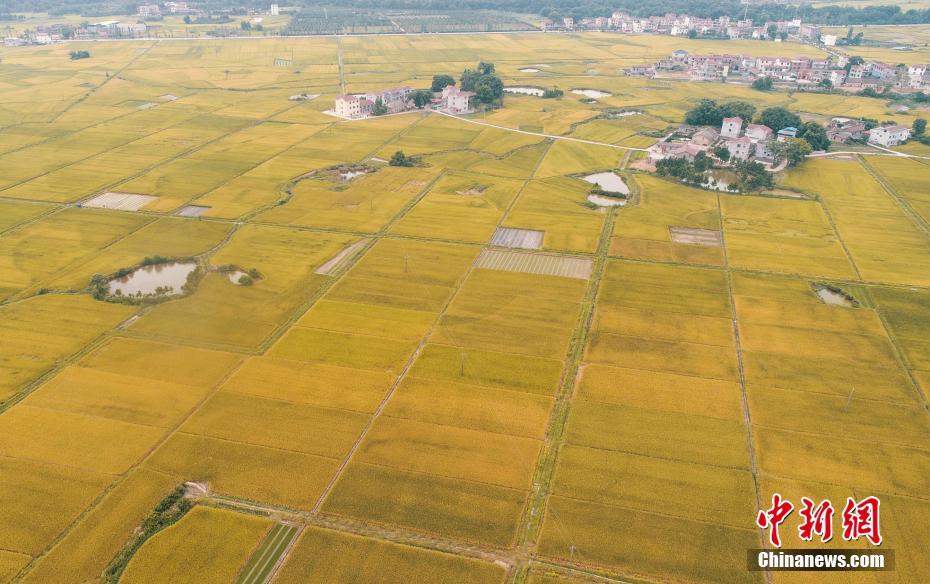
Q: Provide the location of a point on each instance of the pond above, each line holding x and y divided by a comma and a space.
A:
235, 275
602, 201
348, 175
592, 93
529, 70
537, 91
832, 297
608, 181
720, 180
148, 279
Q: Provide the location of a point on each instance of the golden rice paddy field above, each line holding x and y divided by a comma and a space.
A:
384, 403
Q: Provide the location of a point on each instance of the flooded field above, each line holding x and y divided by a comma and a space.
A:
525, 90
833, 297
153, 279
602, 201
592, 93
529, 70
608, 181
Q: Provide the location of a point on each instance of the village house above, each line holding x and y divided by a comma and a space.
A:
705, 138
740, 148
889, 135
731, 127
456, 101
353, 106
148, 10
757, 132
785, 133
845, 130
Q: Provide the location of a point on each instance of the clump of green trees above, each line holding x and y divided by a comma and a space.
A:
76, 55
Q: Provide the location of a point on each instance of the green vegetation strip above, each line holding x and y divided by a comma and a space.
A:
168, 512
259, 566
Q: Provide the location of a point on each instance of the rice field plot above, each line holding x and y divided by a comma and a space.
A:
206, 545
405, 274
220, 312
89, 546
460, 207
13, 213
40, 500
463, 509
512, 312
645, 231
908, 314
556, 206
245, 470
317, 384
433, 134
884, 242
185, 178
656, 418
31, 255
566, 157
780, 235
365, 204
909, 178
236, 417
327, 556
37, 333
540, 264
520, 163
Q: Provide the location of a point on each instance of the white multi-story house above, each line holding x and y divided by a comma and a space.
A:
731, 127
149, 10
740, 148
455, 100
889, 135
353, 106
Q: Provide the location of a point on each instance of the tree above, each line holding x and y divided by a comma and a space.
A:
75, 55
826, 84
245, 25
422, 97
778, 118
379, 109
187, 19
401, 159
783, 35
702, 162
772, 30
763, 84
692, 34
919, 127
815, 135
737, 109
488, 88
795, 150
440, 82
752, 176
722, 153
705, 113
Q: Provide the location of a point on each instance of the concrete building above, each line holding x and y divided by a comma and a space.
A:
740, 148
757, 132
786, 133
705, 138
731, 127
889, 135
455, 100
353, 106
828, 39
844, 130
149, 10
274, 11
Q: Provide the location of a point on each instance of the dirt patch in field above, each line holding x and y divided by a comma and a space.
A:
472, 191
695, 236
341, 259
535, 263
644, 165
120, 201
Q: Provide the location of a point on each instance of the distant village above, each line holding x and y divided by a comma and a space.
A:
117, 29
685, 25
832, 72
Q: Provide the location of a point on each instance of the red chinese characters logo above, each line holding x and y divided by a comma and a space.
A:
859, 519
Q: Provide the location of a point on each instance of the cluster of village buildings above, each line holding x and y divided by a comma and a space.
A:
755, 141
800, 70
683, 24
400, 99
109, 29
